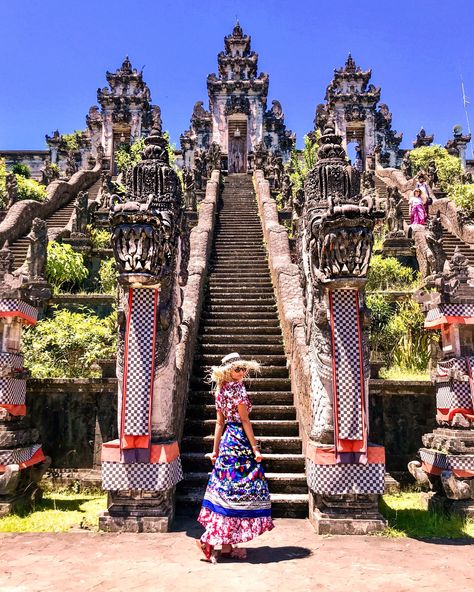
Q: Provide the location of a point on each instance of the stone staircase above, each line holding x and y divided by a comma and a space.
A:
240, 315
450, 240
58, 219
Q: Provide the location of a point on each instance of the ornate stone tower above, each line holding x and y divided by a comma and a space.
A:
351, 106
237, 119
142, 467
345, 472
125, 112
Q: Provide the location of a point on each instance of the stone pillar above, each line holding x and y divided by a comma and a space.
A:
141, 468
345, 472
447, 456
22, 461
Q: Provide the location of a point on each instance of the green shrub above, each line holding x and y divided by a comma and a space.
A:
68, 344
303, 161
448, 166
126, 156
386, 273
22, 170
65, 267
3, 182
463, 197
413, 342
108, 276
30, 189
72, 142
100, 238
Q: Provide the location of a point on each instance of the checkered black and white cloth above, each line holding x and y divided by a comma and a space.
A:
453, 395
11, 305
344, 478
139, 357
348, 388
450, 310
12, 391
149, 477
9, 360
453, 462
16, 456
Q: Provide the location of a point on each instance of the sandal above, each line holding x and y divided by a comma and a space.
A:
207, 550
234, 553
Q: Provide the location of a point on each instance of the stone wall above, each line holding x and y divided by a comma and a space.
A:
75, 416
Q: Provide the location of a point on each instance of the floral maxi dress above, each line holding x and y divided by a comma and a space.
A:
236, 505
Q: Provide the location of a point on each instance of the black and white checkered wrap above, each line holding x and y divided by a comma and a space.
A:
347, 363
450, 310
149, 477
12, 391
139, 362
462, 462
8, 360
11, 305
458, 364
16, 456
344, 478
453, 394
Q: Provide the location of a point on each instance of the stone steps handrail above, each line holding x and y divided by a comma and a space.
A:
20, 216
193, 294
447, 208
289, 297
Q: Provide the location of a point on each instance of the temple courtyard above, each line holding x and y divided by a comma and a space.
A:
291, 557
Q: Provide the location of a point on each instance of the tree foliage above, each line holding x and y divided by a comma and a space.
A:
463, 197
21, 169
65, 267
303, 161
72, 142
448, 166
108, 276
68, 344
100, 238
27, 188
386, 273
126, 156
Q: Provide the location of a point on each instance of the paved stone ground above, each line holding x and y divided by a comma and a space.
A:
290, 558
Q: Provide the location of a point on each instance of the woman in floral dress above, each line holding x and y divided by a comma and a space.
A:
236, 506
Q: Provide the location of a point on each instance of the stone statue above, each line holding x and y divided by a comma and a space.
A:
286, 191
277, 111
151, 257
12, 189
336, 239
394, 213
213, 158
260, 154
435, 254
49, 174
156, 119
432, 173
81, 214
406, 167
71, 165
37, 251
198, 170
189, 193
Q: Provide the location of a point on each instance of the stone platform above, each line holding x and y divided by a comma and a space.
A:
291, 557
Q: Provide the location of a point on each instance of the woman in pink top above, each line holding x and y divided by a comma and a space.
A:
417, 208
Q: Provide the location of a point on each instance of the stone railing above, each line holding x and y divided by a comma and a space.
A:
446, 207
289, 297
193, 295
19, 217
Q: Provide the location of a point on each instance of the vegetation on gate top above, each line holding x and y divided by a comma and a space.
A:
27, 188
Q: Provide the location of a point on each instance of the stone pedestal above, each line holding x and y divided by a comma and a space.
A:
345, 514
138, 511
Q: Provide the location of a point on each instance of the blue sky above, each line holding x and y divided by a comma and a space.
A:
55, 55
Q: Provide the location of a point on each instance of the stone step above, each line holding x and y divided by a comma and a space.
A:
277, 482
261, 427
226, 330
244, 300
241, 307
222, 291
247, 339
254, 316
265, 371
208, 360
258, 398
252, 384
224, 348
270, 412
197, 461
248, 322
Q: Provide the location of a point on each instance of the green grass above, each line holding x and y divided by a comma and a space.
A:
396, 373
407, 518
58, 512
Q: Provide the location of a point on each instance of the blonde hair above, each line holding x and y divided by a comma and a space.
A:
219, 375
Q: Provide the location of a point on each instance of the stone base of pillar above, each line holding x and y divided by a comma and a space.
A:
436, 502
345, 514
19, 490
138, 511
22, 502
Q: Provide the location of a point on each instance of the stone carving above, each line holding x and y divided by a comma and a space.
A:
286, 191
447, 455
80, 217
199, 170
151, 249
213, 158
432, 173
336, 239
37, 251
435, 254
12, 189
407, 168
49, 173
189, 192
237, 104
394, 213
71, 165
422, 139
